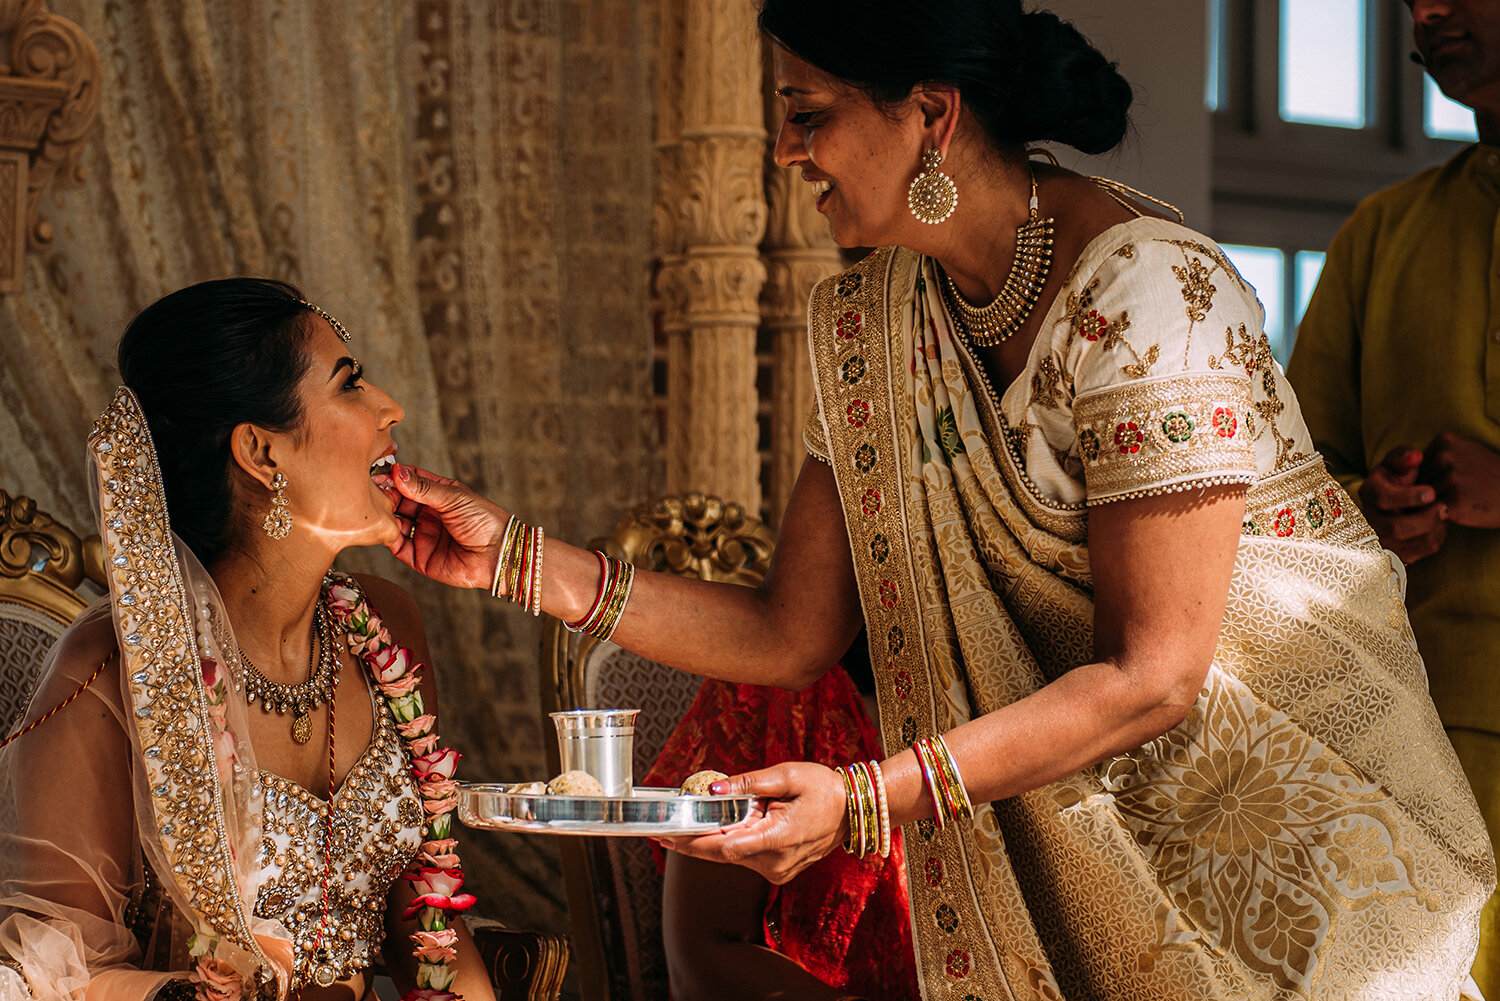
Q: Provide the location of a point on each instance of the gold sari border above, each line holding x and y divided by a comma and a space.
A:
1161, 435
1305, 502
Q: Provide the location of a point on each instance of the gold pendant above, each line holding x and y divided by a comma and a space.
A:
302, 725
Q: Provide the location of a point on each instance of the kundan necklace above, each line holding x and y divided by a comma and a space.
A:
990, 325
304, 698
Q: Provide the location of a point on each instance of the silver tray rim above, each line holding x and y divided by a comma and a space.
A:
653, 812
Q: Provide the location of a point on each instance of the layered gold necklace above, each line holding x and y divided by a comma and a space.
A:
303, 698
995, 323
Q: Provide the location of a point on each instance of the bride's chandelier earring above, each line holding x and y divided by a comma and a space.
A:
932, 196
278, 521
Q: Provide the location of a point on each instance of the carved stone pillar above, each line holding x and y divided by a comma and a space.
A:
799, 253
712, 216
49, 95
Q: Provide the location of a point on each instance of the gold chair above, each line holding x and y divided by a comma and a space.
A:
42, 565
614, 892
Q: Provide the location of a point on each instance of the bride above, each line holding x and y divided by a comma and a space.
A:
229, 766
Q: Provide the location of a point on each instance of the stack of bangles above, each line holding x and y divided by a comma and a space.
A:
520, 565
940, 772
869, 812
615, 578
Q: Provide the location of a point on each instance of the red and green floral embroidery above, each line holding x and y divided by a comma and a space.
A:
849, 283
1178, 427
902, 685
958, 964
848, 326
880, 549
1285, 523
1314, 512
1225, 422
1335, 506
864, 458
852, 370
1128, 437
871, 502
888, 595
858, 413
1088, 444
1093, 325
1252, 527
933, 870
946, 918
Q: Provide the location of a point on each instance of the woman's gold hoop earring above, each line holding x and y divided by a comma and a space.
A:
932, 196
278, 521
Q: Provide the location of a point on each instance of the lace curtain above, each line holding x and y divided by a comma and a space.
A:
460, 182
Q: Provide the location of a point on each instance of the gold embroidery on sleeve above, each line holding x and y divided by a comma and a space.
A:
1047, 384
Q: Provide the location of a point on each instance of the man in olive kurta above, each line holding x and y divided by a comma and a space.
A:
1397, 367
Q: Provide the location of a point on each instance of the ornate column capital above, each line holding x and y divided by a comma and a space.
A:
49, 98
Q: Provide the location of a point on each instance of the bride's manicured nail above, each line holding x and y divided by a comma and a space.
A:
404, 472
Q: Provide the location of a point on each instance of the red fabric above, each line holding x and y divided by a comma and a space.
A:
843, 919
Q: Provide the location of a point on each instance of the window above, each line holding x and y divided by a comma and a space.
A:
1324, 55
1284, 282
1443, 118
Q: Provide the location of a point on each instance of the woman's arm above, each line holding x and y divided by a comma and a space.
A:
1162, 568
402, 618
785, 632
713, 920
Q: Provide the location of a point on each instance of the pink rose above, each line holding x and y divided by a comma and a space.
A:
438, 888
418, 727
440, 845
436, 789
342, 599
435, 946
438, 764
423, 746
388, 662
217, 980
438, 807
401, 686
442, 861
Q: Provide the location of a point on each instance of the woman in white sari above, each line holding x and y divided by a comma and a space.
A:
165, 836
1095, 552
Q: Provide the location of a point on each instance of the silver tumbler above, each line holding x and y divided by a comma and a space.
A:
600, 742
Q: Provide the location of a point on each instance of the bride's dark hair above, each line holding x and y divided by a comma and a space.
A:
1026, 76
203, 360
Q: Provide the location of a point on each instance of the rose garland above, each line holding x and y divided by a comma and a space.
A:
438, 881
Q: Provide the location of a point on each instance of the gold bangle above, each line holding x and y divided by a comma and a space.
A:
536, 590
942, 805
510, 526
885, 812
619, 594
964, 808
851, 809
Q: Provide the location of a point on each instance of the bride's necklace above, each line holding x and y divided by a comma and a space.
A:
302, 698
990, 325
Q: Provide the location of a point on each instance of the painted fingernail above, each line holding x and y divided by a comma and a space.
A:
404, 472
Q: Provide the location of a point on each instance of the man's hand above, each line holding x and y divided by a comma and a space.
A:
1466, 476
1405, 513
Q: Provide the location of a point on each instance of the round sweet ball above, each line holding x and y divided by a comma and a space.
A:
528, 789
575, 783
697, 783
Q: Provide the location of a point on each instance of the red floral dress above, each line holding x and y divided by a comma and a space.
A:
843, 919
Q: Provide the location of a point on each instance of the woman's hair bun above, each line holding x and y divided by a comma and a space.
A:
1068, 91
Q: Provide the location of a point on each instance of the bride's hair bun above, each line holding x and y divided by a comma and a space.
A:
1068, 91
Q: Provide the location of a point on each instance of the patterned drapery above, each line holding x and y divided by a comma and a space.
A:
459, 182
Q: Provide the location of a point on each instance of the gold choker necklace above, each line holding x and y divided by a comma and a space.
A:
304, 697
994, 324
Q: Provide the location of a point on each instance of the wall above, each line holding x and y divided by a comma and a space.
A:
1161, 47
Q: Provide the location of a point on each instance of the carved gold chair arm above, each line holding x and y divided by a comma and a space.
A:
523, 965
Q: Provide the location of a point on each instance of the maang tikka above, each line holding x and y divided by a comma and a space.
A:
278, 521
932, 196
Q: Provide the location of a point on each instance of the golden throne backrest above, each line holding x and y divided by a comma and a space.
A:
614, 892
42, 565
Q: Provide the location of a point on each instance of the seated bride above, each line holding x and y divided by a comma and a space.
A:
241, 792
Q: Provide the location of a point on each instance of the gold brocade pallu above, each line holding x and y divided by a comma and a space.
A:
1305, 832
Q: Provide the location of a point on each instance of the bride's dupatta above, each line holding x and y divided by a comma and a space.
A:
1306, 831
76, 905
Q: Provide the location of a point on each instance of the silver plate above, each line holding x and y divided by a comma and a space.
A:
650, 812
